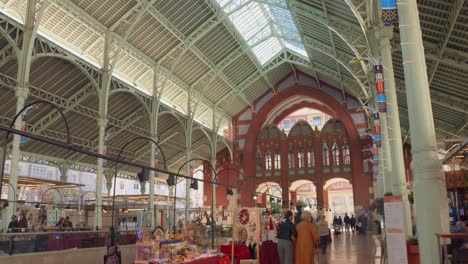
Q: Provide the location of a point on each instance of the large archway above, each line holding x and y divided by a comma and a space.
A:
271, 109
338, 197
304, 193
269, 194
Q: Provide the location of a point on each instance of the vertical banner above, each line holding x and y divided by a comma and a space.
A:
380, 86
377, 131
395, 230
389, 12
375, 160
24, 122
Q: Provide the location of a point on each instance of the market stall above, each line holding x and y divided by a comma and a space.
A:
158, 246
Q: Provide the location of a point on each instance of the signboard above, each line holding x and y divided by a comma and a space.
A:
395, 230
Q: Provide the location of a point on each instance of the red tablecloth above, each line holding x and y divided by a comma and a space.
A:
269, 253
240, 252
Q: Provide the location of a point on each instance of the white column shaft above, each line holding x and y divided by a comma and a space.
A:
429, 192
394, 130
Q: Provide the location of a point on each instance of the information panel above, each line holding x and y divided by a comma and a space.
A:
395, 230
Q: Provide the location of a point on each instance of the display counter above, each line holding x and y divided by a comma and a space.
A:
211, 259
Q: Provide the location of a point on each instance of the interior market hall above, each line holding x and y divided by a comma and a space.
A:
233, 131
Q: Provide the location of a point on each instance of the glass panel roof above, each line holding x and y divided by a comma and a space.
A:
267, 29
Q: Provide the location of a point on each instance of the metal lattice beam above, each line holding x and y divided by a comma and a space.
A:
454, 14
131, 50
179, 35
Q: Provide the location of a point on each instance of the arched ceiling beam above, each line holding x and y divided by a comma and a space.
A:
132, 51
325, 9
329, 22
361, 22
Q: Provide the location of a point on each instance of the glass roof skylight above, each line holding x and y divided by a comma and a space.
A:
267, 29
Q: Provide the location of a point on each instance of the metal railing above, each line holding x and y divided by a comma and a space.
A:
17, 242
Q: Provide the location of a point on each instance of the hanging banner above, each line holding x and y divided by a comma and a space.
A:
377, 131
389, 12
246, 225
380, 87
24, 122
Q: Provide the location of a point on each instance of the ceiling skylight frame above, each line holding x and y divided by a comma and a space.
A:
267, 30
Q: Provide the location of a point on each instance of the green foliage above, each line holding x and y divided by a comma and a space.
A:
388, 194
378, 205
276, 207
413, 241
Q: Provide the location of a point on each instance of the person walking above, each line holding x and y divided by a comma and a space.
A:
307, 239
13, 225
323, 232
286, 235
353, 223
340, 223
365, 222
347, 222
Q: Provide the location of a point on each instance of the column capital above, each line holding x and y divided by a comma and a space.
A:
384, 33
21, 92
102, 122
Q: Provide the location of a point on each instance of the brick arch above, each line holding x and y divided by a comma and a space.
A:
361, 192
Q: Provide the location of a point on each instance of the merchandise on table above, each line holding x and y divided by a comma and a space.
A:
176, 250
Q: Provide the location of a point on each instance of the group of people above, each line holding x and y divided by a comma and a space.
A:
459, 246
22, 224
305, 236
15, 225
349, 224
64, 223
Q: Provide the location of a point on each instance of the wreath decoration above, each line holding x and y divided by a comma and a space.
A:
244, 216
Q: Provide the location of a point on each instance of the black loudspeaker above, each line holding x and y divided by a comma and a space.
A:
194, 185
143, 175
171, 180
229, 191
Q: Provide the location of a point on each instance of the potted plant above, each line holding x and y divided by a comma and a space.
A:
413, 250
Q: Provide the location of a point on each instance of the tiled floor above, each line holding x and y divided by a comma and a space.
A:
349, 249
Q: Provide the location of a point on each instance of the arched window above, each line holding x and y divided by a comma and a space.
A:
325, 155
310, 157
346, 154
291, 159
300, 159
259, 161
268, 160
277, 161
336, 154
